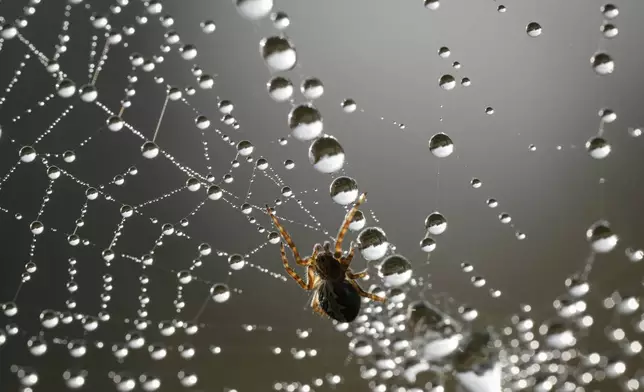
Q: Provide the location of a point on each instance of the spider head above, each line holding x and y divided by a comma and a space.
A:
327, 247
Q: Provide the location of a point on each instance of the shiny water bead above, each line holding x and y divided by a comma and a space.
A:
373, 243
358, 222
428, 244
274, 237
441, 146
220, 292
91, 193
149, 150
245, 148
305, 122
193, 184
174, 94
468, 313
236, 262
628, 305
395, 271
261, 164
312, 88
66, 88
478, 281
533, 29
289, 164
49, 319
432, 4
280, 20
246, 208
607, 115
228, 119
444, 52
278, 53
610, 11
208, 26
99, 21
476, 183
505, 218
28, 377
344, 190
114, 37
577, 287
115, 123
349, 105
360, 347
287, 191
634, 255
188, 52
214, 192
206, 82
602, 63
202, 122
166, 20
558, 335
37, 227
9, 309
435, 223
254, 9
601, 237
225, 106
187, 378
609, 30
492, 203
88, 93
75, 379
447, 82
171, 37
466, 82
598, 148
8, 31
184, 277
326, 154
280, 89
27, 154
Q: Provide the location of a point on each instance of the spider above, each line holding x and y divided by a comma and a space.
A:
337, 294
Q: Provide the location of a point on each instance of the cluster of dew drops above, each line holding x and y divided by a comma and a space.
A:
384, 354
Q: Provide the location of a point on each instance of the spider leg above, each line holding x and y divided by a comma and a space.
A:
357, 275
287, 238
310, 278
345, 225
347, 259
365, 294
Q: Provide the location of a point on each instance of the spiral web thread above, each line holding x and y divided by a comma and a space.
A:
520, 358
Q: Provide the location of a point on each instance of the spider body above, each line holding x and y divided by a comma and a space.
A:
328, 273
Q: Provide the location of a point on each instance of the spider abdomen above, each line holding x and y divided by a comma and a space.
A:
339, 300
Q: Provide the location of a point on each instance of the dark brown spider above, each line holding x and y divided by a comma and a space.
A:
337, 294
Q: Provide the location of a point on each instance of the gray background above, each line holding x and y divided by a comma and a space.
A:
383, 55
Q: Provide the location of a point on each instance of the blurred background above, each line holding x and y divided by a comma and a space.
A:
524, 101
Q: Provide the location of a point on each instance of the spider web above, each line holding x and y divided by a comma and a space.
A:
111, 256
